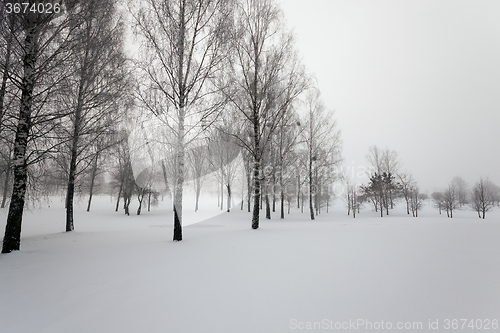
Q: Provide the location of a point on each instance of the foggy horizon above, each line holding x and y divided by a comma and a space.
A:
417, 77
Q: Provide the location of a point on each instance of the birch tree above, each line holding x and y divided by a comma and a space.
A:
94, 90
322, 141
122, 174
287, 140
43, 46
198, 160
268, 78
184, 48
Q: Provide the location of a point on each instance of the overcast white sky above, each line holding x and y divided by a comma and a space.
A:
421, 77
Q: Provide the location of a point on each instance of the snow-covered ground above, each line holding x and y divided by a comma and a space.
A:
121, 274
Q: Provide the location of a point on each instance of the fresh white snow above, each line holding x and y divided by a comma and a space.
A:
121, 274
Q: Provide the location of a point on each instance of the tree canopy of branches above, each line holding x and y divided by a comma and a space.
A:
450, 199
93, 91
184, 47
267, 79
42, 43
438, 199
484, 196
321, 140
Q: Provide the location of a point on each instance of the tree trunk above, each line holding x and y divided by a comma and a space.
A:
282, 204
12, 238
268, 207
140, 198
6, 182
222, 195
311, 207
242, 197
249, 198
407, 204
119, 195
149, 200
298, 189
302, 206
74, 148
256, 194
354, 204
228, 198
165, 178
72, 172
249, 184
92, 181
179, 180
381, 208
198, 192
348, 202
126, 203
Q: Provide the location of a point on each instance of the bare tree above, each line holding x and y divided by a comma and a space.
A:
43, 45
376, 158
268, 78
198, 159
322, 141
406, 185
391, 165
184, 48
122, 174
484, 196
450, 197
462, 190
438, 198
385, 161
352, 198
93, 91
223, 151
416, 200
99, 164
287, 140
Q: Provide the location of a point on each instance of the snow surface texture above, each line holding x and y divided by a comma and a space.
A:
121, 274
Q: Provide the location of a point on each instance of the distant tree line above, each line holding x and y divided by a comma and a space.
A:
388, 184
482, 197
